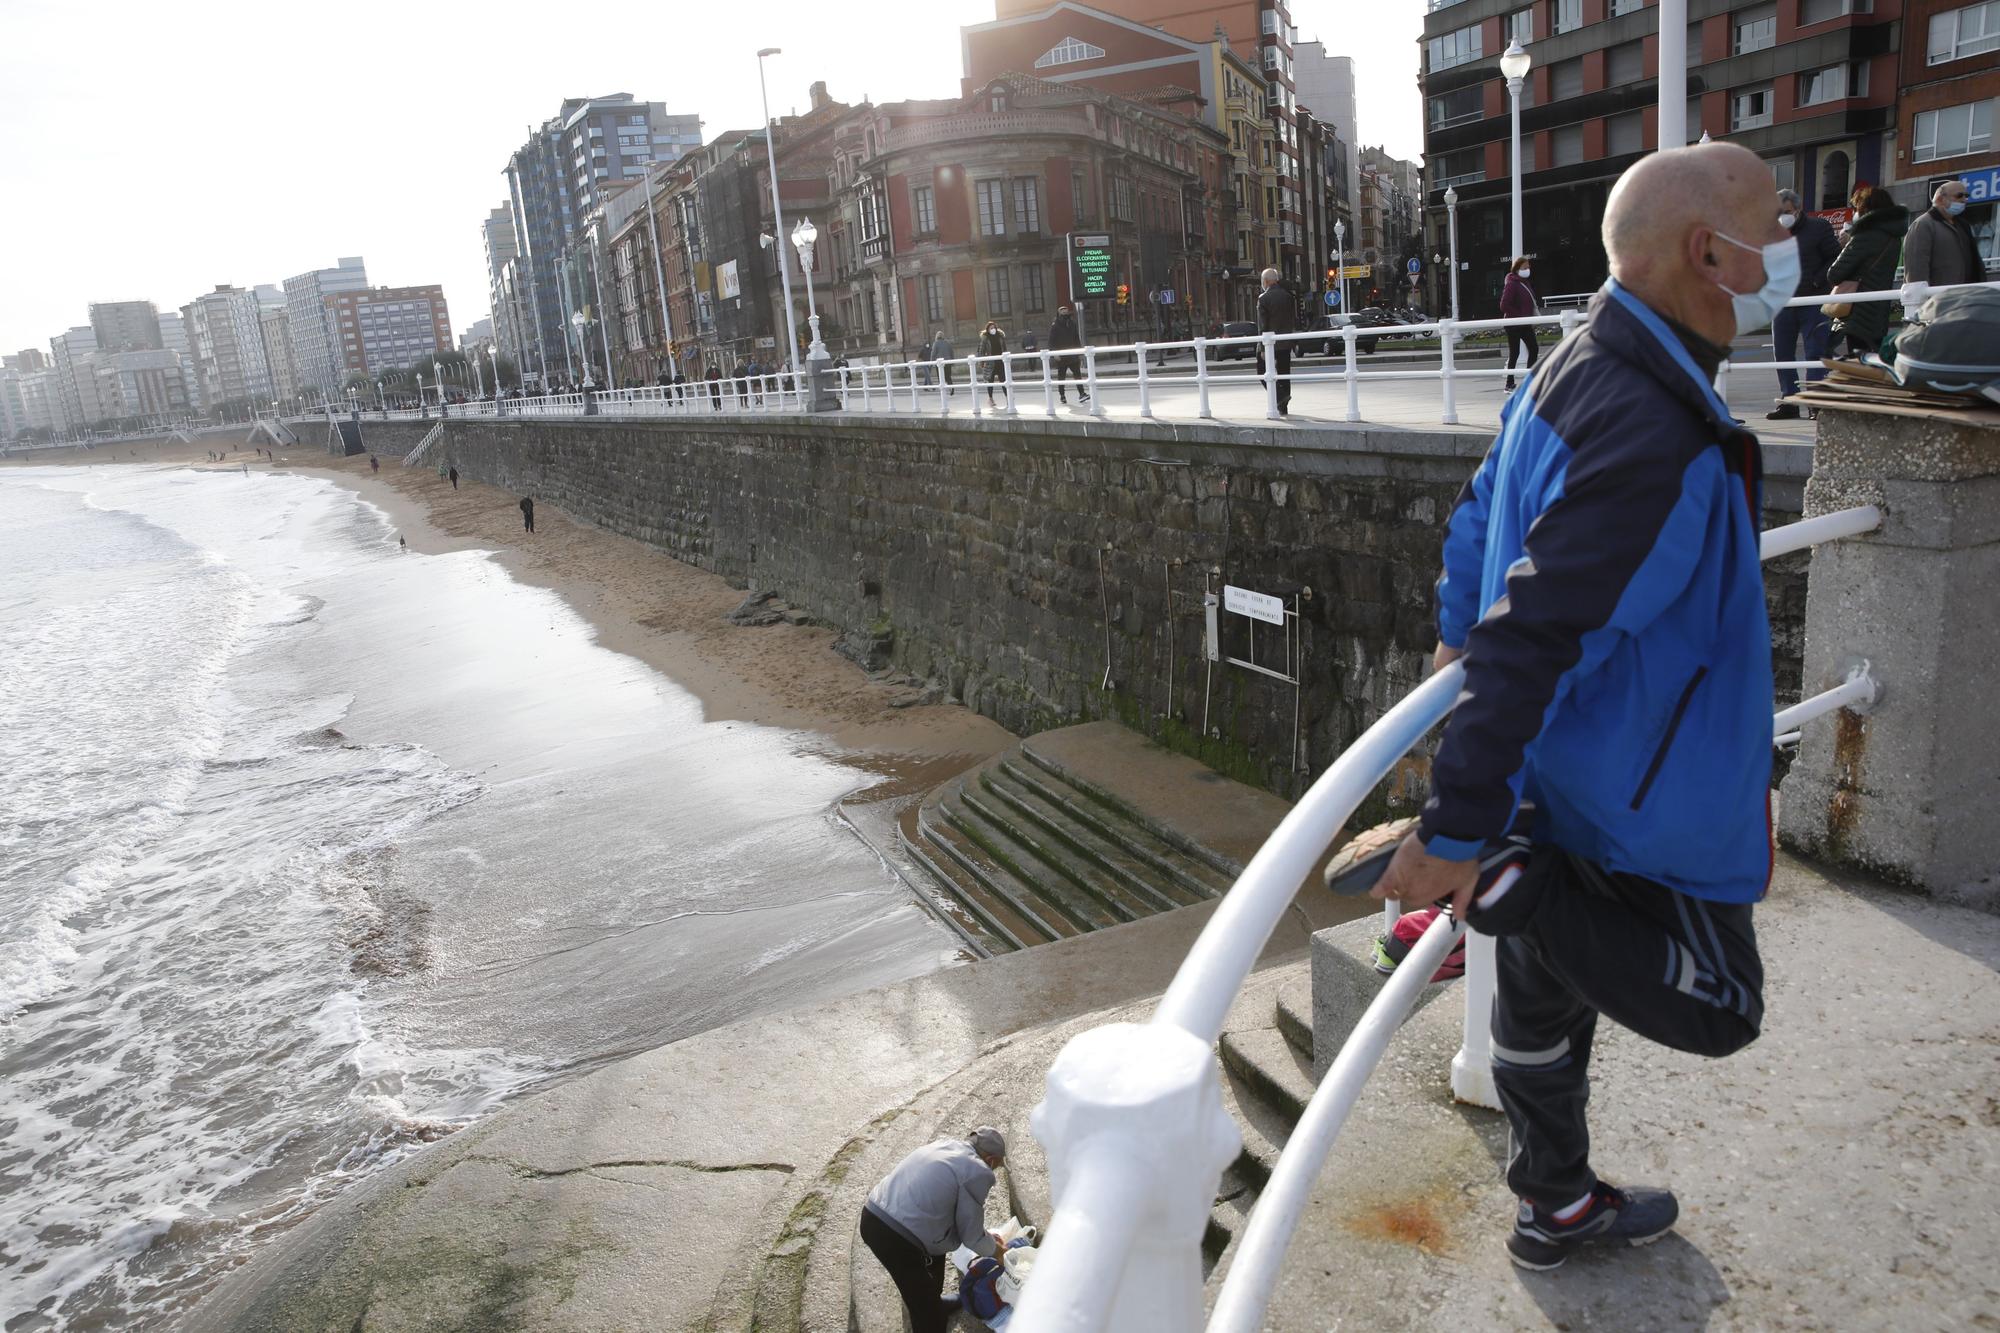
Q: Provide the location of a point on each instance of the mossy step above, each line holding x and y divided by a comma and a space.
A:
1271, 1069
1030, 864
1116, 824
1030, 821
984, 931
986, 877
1223, 866
1148, 887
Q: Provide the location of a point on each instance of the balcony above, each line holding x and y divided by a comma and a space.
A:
874, 249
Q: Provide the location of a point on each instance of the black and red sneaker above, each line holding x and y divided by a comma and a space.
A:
1635, 1216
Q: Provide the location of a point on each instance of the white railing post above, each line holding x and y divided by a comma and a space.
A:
1145, 390
1447, 335
1270, 358
1914, 296
1353, 375
1007, 380
1201, 377
972, 375
1090, 381
1137, 1139
943, 371
911, 366
1568, 319
1048, 387
1472, 1067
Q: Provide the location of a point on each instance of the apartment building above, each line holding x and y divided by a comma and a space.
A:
382, 329
1949, 109
316, 360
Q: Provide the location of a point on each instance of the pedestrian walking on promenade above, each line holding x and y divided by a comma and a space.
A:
941, 352
1063, 336
993, 343
1602, 587
1800, 332
1867, 263
1518, 301
715, 387
1940, 248
528, 513
1278, 312
933, 1202
453, 474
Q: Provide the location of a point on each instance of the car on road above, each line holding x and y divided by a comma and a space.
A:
1241, 328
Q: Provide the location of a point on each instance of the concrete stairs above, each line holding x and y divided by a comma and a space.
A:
1035, 845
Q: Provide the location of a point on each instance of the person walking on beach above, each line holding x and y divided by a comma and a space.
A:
1602, 587
528, 512
933, 1202
453, 473
1518, 301
374, 463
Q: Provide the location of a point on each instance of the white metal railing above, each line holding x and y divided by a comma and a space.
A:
1132, 1119
1176, 378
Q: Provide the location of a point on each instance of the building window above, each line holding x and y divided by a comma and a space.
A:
933, 298
1031, 288
1625, 133
1625, 64
923, 202
1520, 26
1958, 33
1952, 131
1566, 145
1565, 15
1461, 167
999, 293
992, 207
1079, 193
871, 217
1452, 49
1694, 120
1625, 7
1753, 29
1784, 173
1068, 51
1527, 155
1458, 105
1750, 108
1121, 200
1566, 80
1833, 83
1028, 206
1819, 11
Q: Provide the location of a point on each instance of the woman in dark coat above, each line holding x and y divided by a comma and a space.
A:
1517, 301
1867, 263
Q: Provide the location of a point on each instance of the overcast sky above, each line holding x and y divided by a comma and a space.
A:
154, 150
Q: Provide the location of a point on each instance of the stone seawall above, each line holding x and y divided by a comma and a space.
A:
1023, 564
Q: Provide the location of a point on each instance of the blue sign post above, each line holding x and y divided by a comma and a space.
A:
1415, 267
1333, 298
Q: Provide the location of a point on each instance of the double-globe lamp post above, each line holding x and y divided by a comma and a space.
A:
1340, 266
804, 236
778, 214
1514, 65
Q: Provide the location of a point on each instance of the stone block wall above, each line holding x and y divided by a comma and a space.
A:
1025, 563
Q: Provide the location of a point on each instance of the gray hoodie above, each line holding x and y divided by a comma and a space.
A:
936, 1198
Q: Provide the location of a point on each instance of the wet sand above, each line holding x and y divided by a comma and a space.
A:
643, 603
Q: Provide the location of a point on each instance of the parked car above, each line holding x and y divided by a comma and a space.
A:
1241, 328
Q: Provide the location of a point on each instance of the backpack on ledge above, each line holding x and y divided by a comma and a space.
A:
1955, 348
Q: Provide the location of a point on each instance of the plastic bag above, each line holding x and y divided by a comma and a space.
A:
1019, 1262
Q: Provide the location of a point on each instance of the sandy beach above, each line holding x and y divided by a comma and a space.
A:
641, 602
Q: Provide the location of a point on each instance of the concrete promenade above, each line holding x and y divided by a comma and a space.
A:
1840, 1173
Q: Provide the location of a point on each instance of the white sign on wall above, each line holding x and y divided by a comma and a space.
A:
727, 285
1256, 605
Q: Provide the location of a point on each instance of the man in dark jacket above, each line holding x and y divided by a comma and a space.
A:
1940, 248
1802, 328
1063, 336
1602, 586
933, 1202
1278, 312
528, 512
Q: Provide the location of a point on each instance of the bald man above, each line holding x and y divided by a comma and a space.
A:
1600, 799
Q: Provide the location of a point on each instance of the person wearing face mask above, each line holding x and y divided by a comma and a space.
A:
1867, 263
1940, 248
1517, 301
1600, 798
1804, 328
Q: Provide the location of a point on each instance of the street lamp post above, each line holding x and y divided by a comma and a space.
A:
1340, 262
1451, 225
778, 214
803, 236
581, 323
423, 403
437, 376
1514, 63
1673, 73
493, 355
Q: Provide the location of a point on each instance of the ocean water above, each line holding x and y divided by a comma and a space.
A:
313, 850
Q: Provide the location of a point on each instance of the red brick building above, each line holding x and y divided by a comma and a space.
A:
380, 329
1948, 114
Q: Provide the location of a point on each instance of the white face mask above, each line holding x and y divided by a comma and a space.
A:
1781, 279
1521, 273
1787, 220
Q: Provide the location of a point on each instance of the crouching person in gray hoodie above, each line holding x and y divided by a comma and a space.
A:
932, 1203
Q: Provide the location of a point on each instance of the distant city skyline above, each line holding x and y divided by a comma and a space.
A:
406, 170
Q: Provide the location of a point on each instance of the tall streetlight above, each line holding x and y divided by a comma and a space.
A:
423, 403
1340, 262
1514, 63
1451, 224
1673, 73
803, 237
493, 355
581, 323
778, 212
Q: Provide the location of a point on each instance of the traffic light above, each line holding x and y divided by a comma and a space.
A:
1332, 276
1124, 293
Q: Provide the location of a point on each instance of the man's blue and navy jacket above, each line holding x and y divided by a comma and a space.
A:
1601, 573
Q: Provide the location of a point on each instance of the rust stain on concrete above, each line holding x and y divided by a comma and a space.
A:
1414, 1221
1850, 749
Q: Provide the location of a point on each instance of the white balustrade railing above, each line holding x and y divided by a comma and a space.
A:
1174, 378
1132, 1119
